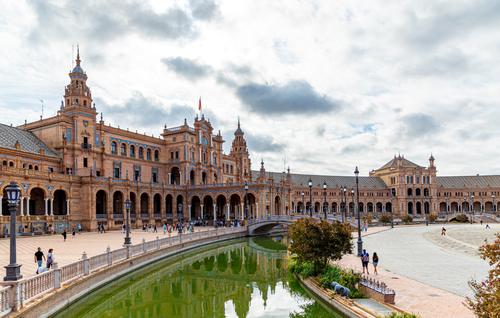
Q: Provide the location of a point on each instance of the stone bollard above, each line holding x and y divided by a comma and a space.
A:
86, 264
57, 276
110, 256
128, 250
157, 243
144, 245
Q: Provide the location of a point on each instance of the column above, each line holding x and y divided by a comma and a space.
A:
201, 211
256, 210
51, 206
46, 206
169, 178
180, 178
1, 198
28, 205
67, 207
215, 212
189, 211
227, 212
242, 211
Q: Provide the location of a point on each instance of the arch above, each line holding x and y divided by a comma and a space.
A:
175, 176
465, 206
418, 192
203, 177
11, 163
442, 206
361, 207
325, 207
180, 207
378, 206
101, 203
157, 204
4, 163
418, 207
114, 149
208, 208
351, 208
5, 204
37, 201
476, 207
133, 204
369, 207
410, 207
132, 151
148, 154
454, 207
426, 192
308, 207
277, 205
36, 168
215, 178
334, 207
192, 176
141, 153
488, 206
317, 207
388, 207
59, 202
235, 206
427, 207
123, 149
157, 155
144, 204
30, 167
195, 212
300, 207
249, 204
221, 203
169, 206
118, 202
410, 192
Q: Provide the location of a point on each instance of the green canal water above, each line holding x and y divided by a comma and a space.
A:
238, 278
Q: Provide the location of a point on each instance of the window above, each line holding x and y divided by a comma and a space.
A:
51, 170
36, 168
172, 155
137, 173
85, 140
85, 162
157, 155
141, 153
148, 154
116, 173
11, 164
123, 149
132, 151
84, 103
176, 155
117, 165
154, 175
113, 147
4, 163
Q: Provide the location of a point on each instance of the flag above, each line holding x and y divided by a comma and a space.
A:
199, 104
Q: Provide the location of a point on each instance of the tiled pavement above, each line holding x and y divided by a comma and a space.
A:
71, 250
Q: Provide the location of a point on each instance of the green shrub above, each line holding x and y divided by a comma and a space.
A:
331, 274
304, 269
347, 278
407, 219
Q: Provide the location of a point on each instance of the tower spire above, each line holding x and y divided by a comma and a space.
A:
78, 54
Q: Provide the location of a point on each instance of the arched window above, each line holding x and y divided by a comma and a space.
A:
148, 154
157, 155
11, 163
36, 168
132, 151
4, 163
417, 192
30, 167
141, 153
410, 192
123, 149
113, 147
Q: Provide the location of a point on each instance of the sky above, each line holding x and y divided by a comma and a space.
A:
320, 86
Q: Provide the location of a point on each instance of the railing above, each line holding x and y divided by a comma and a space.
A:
144, 216
86, 146
53, 279
101, 216
118, 216
157, 216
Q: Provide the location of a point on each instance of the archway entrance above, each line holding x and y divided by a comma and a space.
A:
208, 208
100, 204
59, 207
277, 205
175, 176
169, 206
118, 204
235, 206
144, 205
195, 212
36, 202
221, 207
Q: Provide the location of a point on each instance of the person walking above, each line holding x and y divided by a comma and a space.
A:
443, 231
155, 230
50, 258
375, 262
39, 258
64, 234
73, 232
164, 228
487, 226
365, 259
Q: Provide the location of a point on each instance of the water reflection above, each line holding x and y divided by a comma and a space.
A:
240, 278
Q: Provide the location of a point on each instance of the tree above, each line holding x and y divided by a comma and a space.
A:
486, 300
385, 218
319, 242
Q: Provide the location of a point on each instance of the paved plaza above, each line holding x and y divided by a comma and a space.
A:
71, 250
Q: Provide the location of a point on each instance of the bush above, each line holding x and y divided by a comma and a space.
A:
407, 219
433, 217
367, 218
347, 278
385, 218
304, 269
461, 218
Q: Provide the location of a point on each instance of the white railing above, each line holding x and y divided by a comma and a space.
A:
31, 287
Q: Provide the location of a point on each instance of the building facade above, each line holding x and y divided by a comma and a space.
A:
75, 169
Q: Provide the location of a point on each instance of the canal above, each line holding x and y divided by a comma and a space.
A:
238, 278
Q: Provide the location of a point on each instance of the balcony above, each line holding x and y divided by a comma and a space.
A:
118, 217
157, 216
144, 216
101, 217
86, 146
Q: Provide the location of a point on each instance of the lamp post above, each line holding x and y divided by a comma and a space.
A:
472, 208
310, 183
246, 200
493, 198
303, 203
392, 213
352, 201
127, 229
360, 242
344, 201
324, 198
13, 270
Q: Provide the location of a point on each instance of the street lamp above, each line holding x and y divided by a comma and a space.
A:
303, 203
472, 208
310, 183
352, 201
13, 270
392, 213
127, 242
246, 200
493, 198
344, 199
324, 198
360, 242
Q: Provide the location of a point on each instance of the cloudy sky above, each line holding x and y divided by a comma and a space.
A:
328, 85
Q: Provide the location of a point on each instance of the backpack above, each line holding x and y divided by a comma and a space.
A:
365, 258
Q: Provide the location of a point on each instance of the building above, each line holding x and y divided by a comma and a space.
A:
75, 169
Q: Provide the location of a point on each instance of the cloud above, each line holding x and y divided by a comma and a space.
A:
453, 62
263, 144
187, 68
108, 20
295, 97
418, 124
140, 111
